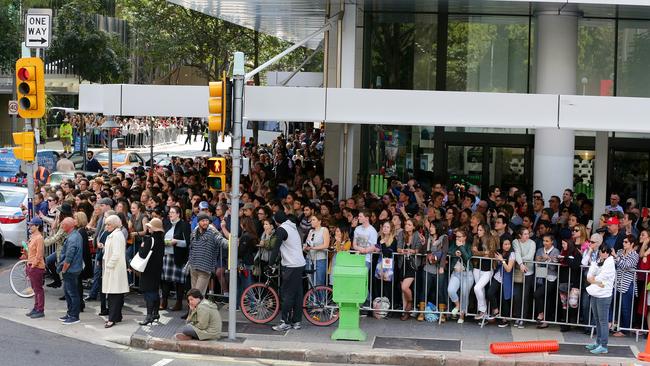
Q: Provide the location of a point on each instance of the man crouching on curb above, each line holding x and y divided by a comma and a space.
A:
204, 320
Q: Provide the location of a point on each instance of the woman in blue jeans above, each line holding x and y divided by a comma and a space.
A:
316, 245
601, 276
626, 260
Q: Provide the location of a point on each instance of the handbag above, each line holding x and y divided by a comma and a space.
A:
138, 263
384, 269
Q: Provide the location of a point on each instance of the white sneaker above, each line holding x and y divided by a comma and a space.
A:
282, 327
461, 320
520, 324
454, 311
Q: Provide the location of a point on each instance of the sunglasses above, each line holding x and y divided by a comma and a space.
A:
576, 230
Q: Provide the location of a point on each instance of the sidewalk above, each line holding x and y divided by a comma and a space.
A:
194, 146
390, 341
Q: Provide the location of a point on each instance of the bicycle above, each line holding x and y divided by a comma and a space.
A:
19, 280
260, 302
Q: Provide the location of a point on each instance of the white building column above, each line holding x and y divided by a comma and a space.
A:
343, 71
600, 175
556, 63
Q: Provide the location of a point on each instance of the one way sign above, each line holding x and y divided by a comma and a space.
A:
38, 28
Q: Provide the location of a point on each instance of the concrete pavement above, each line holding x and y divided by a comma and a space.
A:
390, 341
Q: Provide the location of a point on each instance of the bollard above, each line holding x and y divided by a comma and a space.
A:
350, 289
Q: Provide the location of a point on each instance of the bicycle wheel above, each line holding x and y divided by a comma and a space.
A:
260, 303
19, 281
318, 306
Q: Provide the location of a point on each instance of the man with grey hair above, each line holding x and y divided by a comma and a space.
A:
70, 267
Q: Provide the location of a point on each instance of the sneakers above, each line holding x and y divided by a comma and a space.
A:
37, 314
64, 318
480, 316
70, 321
592, 346
600, 350
519, 324
282, 327
461, 320
31, 312
454, 312
296, 326
503, 323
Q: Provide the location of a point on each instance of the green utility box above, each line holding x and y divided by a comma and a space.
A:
350, 289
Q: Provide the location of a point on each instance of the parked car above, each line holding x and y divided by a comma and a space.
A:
57, 177
13, 229
120, 157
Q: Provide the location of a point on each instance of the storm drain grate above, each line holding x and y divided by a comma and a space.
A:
418, 344
570, 349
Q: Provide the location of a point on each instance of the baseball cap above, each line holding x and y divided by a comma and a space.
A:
203, 205
202, 216
106, 201
248, 206
35, 221
613, 221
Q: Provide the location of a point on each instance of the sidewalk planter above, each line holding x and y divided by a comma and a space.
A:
350, 289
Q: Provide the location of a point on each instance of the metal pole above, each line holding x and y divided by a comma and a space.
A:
110, 151
237, 107
151, 147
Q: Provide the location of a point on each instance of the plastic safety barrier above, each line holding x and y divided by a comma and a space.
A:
524, 347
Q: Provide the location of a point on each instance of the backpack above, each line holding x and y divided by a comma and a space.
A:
430, 314
380, 305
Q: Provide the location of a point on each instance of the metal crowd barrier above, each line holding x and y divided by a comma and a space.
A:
575, 316
163, 135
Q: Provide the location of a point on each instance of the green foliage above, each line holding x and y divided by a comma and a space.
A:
10, 39
95, 55
168, 36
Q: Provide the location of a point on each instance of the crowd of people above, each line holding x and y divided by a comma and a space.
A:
500, 256
136, 132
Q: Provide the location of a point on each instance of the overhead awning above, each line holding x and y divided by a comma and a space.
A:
294, 20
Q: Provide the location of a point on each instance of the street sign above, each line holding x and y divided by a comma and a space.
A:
13, 107
38, 28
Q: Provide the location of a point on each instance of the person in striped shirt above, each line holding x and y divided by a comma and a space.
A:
626, 260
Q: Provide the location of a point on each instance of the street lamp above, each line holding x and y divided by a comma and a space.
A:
109, 125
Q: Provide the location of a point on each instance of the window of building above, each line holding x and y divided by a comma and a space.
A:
595, 73
488, 54
633, 78
401, 51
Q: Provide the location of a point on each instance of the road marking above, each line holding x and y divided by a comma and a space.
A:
163, 362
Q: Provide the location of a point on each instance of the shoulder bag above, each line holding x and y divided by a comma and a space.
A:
138, 263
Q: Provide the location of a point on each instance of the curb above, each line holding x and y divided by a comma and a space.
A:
332, 356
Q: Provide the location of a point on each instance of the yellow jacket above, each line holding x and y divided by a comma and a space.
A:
65, 131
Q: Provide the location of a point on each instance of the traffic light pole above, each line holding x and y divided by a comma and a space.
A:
237, 108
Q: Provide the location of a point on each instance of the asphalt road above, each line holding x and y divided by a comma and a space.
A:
22, 345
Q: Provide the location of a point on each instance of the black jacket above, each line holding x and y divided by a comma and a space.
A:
181, 232
150, 278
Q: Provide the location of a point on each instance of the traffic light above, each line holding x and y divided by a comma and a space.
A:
219, 105
30, 87
24, 142
217, 173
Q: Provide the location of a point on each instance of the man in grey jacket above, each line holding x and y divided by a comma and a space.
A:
70, 267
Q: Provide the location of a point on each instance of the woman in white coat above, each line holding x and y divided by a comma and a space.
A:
114, 280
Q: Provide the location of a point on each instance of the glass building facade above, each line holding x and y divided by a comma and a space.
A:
474, 52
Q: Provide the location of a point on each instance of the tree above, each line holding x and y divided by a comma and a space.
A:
94, 55
10, 40
168, 36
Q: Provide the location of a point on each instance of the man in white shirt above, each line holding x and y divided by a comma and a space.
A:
365, 242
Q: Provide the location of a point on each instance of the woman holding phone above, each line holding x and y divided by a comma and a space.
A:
601, 276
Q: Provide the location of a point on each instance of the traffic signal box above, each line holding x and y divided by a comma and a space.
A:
24, 149
220, 105
217, 173
30, 87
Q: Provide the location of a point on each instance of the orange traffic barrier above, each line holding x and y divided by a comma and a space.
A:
524, 347
645, 355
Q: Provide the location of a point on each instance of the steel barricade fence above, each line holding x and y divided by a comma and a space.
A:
559, 301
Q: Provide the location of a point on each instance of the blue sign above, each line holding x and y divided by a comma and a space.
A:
9, 163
